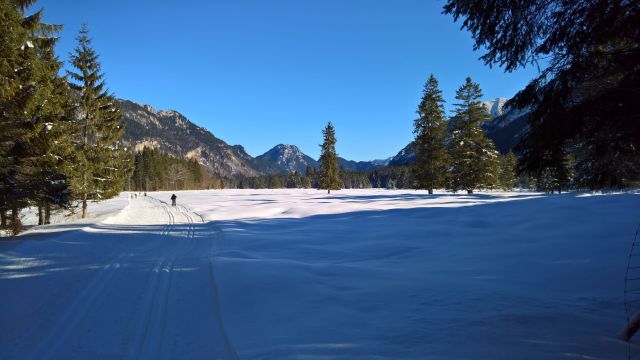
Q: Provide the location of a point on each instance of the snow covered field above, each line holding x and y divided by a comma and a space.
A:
299, 274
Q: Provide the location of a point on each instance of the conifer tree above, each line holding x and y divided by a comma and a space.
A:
100, 164
329, 171
30, 99
475, 160
508, 171
430, 129
584, 99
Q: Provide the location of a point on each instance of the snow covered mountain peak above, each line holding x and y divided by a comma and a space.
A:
495, 106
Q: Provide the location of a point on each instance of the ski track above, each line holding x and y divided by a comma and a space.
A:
148, 324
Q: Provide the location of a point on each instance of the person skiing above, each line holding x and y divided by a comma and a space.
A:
173, 200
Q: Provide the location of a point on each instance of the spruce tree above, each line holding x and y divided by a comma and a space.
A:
32, 98
508, 171
100, 164
584, 99
430, 130
329, 171
475, 160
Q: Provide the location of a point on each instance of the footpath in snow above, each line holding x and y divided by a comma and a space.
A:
299, 274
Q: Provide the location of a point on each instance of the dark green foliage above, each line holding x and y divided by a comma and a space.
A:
34, 103
507, 178
430, 130
329, 171
475, 162
153, 171
584, 101
100, 164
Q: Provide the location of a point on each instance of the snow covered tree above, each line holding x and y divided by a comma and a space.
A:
430, 130
475, 160
329, 171
100, 164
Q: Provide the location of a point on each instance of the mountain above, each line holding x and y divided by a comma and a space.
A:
495, 106
174, 134
505, 129
287, 159
360, 166
405, 156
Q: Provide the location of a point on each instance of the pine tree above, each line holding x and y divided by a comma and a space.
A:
329, 171
30, 93
51, 142
430, 129
100, 164
475, 160
508, 171
585, 98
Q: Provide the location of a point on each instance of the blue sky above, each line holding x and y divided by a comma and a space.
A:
259, 73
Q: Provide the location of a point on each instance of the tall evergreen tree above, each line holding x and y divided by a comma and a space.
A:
475, 160
30, 93
584, 99
51, 142
329, 171
430, 130
100, 164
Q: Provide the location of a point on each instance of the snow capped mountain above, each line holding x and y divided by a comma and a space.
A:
405, 156
501, 115
495, 106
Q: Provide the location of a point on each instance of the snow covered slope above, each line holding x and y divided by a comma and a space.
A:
299, 274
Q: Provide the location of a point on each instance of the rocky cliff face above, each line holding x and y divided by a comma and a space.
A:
171, 132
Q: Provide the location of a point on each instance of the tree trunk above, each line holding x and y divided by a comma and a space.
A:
3, 219
40, 215
16, 224
47, 213
85, 211
430, 191
469, 191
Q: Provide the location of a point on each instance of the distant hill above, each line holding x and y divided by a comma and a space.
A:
172, 133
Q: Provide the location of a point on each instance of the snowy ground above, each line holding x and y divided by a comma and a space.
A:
299, 274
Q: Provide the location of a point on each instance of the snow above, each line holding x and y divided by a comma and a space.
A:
301, 274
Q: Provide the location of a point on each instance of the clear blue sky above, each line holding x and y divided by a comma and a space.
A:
259, 73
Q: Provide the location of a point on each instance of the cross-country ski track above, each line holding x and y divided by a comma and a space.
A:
147, 299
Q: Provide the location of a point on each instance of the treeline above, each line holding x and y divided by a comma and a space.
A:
153, 171
58, 133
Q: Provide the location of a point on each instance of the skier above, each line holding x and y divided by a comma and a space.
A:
173, 200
